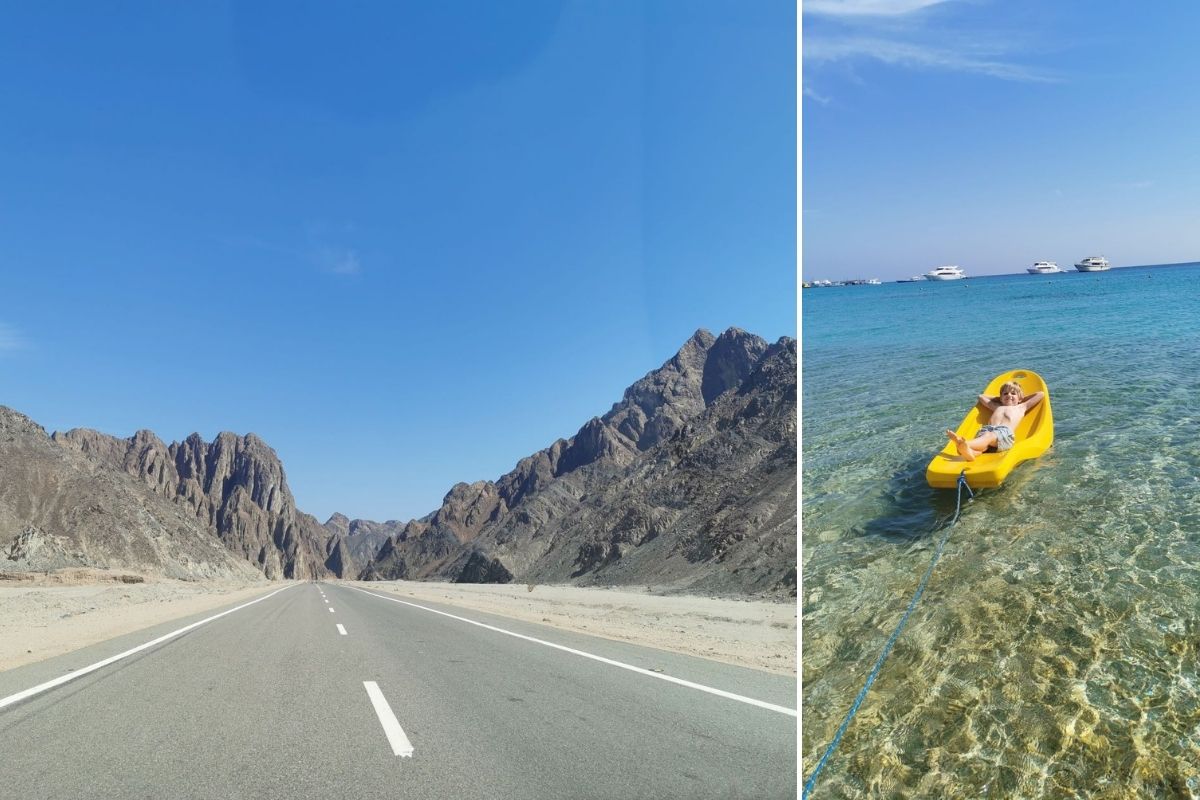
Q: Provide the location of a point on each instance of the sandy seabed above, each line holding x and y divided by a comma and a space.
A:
45, 615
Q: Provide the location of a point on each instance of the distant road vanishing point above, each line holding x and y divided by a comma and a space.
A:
321, 690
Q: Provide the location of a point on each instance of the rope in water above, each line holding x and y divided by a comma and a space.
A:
887, 648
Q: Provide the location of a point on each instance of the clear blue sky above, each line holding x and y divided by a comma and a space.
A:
407, 244
992, 134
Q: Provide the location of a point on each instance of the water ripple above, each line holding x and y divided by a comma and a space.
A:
1056, 650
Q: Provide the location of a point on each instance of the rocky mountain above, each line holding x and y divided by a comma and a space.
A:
233, 486
61, 508
359, 540
689, 482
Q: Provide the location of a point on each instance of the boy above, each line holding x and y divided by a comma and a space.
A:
1007, 410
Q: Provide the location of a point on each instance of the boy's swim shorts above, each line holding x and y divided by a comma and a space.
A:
1004, 436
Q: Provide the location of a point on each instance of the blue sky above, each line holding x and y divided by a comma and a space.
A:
407, 244
994, 134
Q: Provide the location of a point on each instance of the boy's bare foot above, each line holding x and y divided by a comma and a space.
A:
960, 444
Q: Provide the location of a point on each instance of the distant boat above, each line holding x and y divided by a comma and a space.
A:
1044, 268
1093, 264
947, 273
874, 282
913, 279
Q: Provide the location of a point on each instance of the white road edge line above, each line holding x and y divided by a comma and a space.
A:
341, 630
660, 676
401, 746
79, 673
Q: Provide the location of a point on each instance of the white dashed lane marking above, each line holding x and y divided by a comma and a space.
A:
401, 746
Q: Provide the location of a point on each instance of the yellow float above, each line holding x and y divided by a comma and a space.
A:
1034, 434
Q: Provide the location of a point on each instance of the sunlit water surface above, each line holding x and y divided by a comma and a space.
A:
1056, 650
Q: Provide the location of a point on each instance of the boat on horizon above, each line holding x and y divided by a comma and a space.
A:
1044, 268
950, 272
913, 279
1093, 264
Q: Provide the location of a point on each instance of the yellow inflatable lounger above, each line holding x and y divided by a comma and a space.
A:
1033, 435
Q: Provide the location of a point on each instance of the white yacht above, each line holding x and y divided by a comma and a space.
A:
1093, 264
913, 279
948, 273
1044, 268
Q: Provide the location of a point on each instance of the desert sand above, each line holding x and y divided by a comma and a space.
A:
45, 615
749, 633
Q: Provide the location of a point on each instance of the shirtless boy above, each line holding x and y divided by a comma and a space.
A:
1007, 410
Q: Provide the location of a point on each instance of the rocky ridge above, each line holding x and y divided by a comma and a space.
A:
60, 508
359, 540
234, 486
688, 482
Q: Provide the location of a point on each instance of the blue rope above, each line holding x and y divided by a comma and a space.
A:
812, 779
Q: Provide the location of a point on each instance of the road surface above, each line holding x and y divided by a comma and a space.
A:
327, 691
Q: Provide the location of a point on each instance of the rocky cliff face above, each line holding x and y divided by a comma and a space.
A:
234, 486
355, 542
688, 482
60, 507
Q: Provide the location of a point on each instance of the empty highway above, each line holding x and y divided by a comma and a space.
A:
321, 690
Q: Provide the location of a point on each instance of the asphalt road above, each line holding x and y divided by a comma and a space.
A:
273, 700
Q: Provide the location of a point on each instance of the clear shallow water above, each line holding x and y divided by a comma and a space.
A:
1056, 650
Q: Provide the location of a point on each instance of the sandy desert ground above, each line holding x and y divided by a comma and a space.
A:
44, 615
750, 633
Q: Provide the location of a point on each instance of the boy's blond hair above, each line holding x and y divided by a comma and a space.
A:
1012, 385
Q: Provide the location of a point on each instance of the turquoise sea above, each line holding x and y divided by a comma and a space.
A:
1056, 650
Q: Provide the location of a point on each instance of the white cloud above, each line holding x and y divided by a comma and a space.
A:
918, 56
865, 8
892, 32
811, 93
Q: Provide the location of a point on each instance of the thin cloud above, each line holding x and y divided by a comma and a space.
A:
901, 33
332, 260
916, 56
811, 93
866, 8
10, 339
341, 262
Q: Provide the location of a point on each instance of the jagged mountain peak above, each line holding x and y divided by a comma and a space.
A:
235, 484
467, 491
13, 421
700, 341
70, 500
145, 435
338, 525
729, 362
